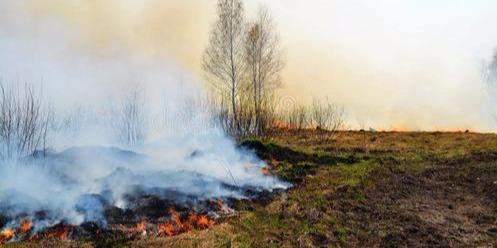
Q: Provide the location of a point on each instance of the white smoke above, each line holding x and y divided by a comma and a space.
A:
181, 150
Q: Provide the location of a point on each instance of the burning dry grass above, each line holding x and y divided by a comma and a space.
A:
26, 225
7, 234
220, 235
179, 224
333, 182
175, 224
165, 210
60, 232
152, 218
24, 232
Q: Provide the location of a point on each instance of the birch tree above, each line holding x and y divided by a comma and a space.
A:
264, 63
223, 60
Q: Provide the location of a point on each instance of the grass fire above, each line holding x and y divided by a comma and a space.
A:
234, 123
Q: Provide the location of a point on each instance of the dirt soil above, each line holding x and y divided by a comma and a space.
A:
357, 189
449, 204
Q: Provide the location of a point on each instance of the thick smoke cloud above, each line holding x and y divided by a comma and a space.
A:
392, 64
86, 167
406, 65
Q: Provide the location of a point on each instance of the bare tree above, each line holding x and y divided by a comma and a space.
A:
223, 60
128, 118
24, 122
327, 117
264, 63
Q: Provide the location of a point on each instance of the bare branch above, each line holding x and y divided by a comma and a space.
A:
24, 122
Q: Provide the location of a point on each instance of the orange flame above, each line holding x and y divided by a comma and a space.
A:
204, 222
141, 226
166, 228
176, 225
7, 234
61, 232
26, 225
279, 124
200, 220
175, 216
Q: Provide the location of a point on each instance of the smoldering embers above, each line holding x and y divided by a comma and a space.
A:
76, 185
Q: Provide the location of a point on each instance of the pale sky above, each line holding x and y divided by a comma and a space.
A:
411, 64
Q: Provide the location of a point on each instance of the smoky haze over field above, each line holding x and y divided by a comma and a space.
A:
402, 65
87, 82
106, 113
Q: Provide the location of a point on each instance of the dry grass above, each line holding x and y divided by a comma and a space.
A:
409, 189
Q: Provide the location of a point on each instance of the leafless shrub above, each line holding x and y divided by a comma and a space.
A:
24, 122
297, 117
268, 116
225, 120
129, 119
251, 124
327, 117
246, 117
245, 121
222, 117
197, 113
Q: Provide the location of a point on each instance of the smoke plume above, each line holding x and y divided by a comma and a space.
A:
394, 65
124, 118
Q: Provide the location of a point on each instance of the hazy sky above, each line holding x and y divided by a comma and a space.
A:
412, 64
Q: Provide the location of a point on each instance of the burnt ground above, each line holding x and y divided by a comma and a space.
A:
448, 204
356, 189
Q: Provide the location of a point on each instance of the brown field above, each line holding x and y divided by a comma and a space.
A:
373, 189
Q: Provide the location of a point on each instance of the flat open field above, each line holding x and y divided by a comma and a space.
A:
407, 189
